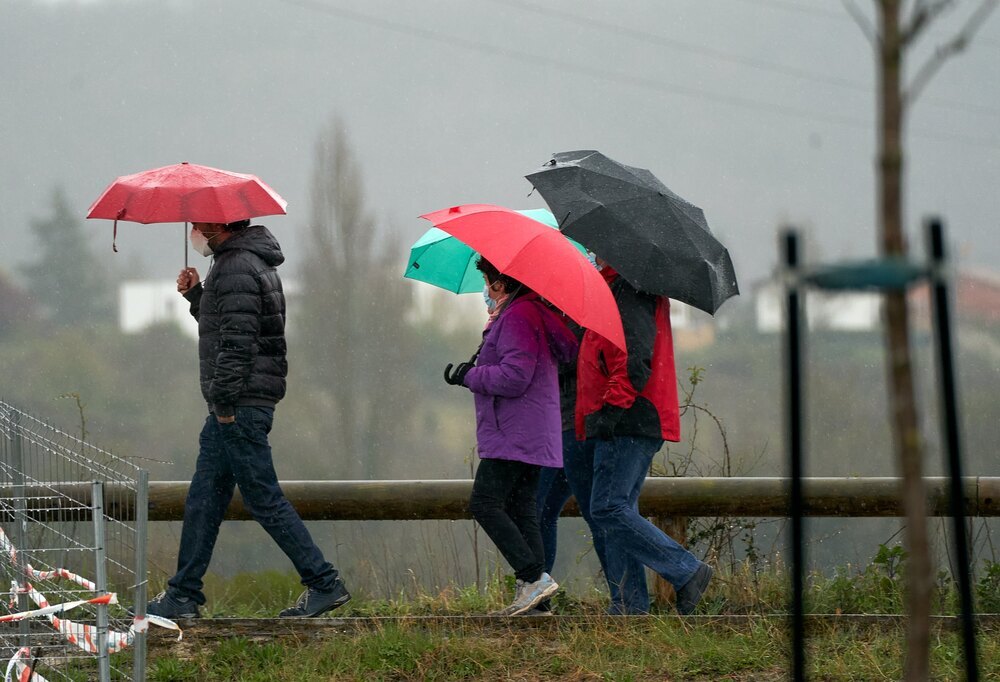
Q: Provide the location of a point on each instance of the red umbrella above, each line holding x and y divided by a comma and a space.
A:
188, 193
540, 257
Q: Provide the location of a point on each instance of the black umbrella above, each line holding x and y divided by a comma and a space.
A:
657, 241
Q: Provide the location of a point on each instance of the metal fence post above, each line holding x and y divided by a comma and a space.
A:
139, 605
20, 520
101, 579
951, 433
794, 436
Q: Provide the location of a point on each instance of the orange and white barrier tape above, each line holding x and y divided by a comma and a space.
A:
7, 547
46, 609
81, 635
23, 673
60, 573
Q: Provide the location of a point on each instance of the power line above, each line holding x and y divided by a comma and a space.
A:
792, 6
722, 55
617, 77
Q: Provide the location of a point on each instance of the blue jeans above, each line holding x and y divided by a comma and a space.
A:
553, 492
239, 454
620, 468
629, 592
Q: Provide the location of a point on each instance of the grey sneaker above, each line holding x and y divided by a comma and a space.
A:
690, 594
313, 602
531, 594
166, 605
505, 611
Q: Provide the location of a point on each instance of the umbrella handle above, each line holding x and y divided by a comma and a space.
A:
114, 232
185, 246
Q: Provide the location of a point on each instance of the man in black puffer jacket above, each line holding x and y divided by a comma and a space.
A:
240, 310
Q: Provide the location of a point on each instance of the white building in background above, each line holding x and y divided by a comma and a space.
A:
855, 311
692, 328
145, 303
149, 302
450, 311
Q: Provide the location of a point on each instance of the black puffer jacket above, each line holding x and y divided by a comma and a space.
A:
240, 310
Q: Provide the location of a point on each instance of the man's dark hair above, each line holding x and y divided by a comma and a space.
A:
238, 225
511, 285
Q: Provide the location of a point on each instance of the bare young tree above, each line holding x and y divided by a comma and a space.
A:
897, 27
354, 301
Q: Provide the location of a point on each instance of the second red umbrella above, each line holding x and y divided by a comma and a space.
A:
540, 257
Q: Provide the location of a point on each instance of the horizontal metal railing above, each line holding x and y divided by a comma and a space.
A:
448, 499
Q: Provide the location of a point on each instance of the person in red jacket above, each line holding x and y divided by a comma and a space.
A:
626, 407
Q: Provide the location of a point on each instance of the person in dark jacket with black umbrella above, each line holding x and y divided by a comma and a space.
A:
626, 407
240, 310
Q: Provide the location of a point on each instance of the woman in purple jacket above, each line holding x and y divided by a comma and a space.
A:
518, 426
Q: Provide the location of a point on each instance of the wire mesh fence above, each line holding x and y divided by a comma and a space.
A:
72, 549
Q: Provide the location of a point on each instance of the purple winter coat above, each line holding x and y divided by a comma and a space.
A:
516, 384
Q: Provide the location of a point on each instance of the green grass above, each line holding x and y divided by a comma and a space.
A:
588, 648
877, 588
599, 649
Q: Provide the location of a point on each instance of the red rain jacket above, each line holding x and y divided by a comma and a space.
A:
632, 394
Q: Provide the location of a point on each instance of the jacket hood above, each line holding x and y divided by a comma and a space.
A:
258, 240
562, 341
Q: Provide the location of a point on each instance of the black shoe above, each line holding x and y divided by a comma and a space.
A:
315, 602
166, 605
689, 595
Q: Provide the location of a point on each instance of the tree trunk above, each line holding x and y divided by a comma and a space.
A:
906, 433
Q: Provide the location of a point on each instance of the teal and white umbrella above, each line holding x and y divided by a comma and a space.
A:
439, 259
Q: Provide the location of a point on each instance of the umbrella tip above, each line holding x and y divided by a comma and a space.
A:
184, 163
455, 209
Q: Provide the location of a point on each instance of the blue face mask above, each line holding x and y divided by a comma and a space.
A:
490, 303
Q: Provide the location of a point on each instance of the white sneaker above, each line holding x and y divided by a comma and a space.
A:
532, 594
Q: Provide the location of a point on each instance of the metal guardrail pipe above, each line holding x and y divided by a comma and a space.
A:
448, 499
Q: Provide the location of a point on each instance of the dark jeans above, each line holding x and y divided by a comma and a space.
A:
553, 492
628, 590
503, 503
620, 469
239, 454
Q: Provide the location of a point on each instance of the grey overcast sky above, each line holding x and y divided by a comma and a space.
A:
759, 111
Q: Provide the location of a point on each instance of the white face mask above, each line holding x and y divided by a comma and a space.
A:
199, 242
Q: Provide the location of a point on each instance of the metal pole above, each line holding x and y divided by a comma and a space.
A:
139, 604
100, 580
20, 522
794, 430
185, 246
951, 432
